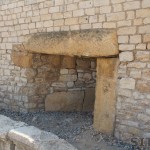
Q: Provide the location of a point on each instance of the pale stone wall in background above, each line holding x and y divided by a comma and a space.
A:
131, 19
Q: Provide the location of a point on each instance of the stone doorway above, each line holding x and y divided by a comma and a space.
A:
99, 44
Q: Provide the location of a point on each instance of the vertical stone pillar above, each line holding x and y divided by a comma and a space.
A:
105, 103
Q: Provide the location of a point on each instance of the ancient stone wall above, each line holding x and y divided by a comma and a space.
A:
52, 75
131, 19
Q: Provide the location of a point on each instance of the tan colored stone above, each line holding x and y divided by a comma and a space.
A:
145, 3
142, 56
135, 39
146, 74
143, 86
126, 30
64, 101
68, 62
54, 60
116, 16
127, 83
89, 99
146, 38
131, 5
136, 65
144, 29
126, 56
93, 43
105, 103
142, 13
68, 78
22, 60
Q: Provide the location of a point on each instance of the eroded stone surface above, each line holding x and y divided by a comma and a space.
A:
22, 60
7, 124
19, 136
105, 103
92, 43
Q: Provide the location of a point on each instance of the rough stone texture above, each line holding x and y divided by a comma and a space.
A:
127, 83
65, 101
105, 103
92, 43
33, 138
68, 62
22, 60
19, 136
49, 75
6, 124
143, 86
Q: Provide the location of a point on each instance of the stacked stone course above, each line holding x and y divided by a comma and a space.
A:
131, 19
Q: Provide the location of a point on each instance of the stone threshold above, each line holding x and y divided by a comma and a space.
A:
16, 135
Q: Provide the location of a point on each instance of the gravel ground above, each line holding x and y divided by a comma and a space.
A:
76, 128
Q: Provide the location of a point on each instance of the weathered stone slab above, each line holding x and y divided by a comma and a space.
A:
105, 103
32, 138
89, 100
64, 101
7, 124
92, 43
22, 60
19, 136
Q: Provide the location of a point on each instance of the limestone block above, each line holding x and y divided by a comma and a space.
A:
135, 39
145, 3
136, 65
146, 74
131, 5
64, 71
143, 117
89, 99
68, 62
127, 83
143, 13
22, 60
68, 78
124, 92
126, 56
64, 101
143, 86
146, 38
142, 56
93, 43
105, 102
135, 74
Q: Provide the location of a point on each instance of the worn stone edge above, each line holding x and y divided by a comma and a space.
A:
13, 135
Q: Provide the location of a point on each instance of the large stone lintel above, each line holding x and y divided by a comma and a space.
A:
105, 103
89, 43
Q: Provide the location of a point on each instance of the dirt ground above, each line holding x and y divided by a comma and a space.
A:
76, 128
